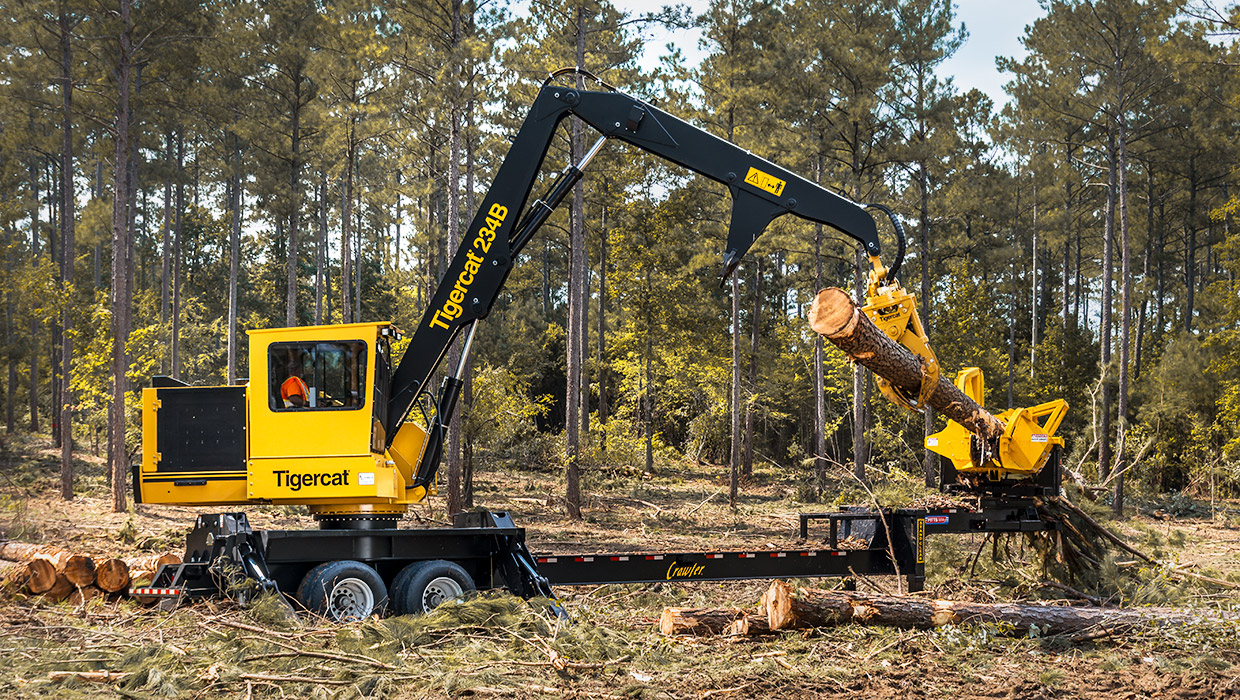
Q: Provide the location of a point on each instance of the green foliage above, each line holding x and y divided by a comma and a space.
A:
299, 109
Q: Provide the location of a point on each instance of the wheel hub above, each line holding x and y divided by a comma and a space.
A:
441, 590
350, 599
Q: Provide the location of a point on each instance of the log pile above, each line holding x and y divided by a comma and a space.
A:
784, 608
57, 574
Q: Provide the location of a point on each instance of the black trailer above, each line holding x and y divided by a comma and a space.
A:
354, 573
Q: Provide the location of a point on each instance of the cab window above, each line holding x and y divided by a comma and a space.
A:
317, 376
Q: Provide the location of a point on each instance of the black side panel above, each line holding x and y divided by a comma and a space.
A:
201, 429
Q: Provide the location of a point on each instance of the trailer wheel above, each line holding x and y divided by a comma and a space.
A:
422, 586
343, 591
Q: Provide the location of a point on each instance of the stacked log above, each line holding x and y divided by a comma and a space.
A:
113, 575
57, 574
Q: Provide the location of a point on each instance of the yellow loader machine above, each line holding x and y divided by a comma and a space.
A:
325, 418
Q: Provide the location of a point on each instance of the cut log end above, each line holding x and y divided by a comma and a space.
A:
41, 575
112, 575
80, 570
832, 313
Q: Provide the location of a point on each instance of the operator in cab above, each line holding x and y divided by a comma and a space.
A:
294, 392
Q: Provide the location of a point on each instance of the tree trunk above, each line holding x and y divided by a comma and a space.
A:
1190, 246
234, 255
320, 252
755, 323
820, 399
929, 459
68, 248
33, 355
835, 316
26, 552
576, 301
178, 219
809, 608
84, 594
294, 184
466, 407
1125, 321
602, 331
346, 224
165, 277
151, 562
1108, 256
860, 451
454, 497
1145, 273
357, 255
735, 452
10, 403
119, 458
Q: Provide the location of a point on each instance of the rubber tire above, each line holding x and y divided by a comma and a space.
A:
409, 586
321, 580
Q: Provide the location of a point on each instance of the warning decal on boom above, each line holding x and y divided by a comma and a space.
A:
763, 181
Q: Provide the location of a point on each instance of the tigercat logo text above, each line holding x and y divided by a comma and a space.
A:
452, 309
677, 570
294, 482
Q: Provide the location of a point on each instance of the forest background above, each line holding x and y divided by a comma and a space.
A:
174, 173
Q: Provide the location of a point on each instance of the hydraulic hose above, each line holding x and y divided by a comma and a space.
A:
901, 244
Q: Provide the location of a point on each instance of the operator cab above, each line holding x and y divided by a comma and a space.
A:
307, 429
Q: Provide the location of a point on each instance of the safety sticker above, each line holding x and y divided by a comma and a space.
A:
366, 479
1038, 437
765, 181
932, 442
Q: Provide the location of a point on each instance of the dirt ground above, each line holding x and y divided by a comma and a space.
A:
497, 646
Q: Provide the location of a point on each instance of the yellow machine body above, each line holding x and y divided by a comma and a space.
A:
231, 445
894, 312
1023, 449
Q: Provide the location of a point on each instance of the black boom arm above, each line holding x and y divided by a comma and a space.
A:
761, 192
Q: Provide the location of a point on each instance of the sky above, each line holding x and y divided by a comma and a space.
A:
994, 26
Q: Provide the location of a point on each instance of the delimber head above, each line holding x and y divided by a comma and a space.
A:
1019, 453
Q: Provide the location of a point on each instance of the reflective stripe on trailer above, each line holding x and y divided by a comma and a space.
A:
156, 591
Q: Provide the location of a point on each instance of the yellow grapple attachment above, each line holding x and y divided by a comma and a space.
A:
894, 312
1024, 447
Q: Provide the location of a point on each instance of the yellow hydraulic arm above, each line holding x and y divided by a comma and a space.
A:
1029, 433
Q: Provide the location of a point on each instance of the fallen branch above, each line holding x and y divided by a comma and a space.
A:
93, 676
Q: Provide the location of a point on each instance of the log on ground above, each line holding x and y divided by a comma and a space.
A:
24, 551
152, 562
80, 570
13, 576
112, 575
835, 316
81, 595
699, 622
787, 609
61, 589
748, 626
41, 575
